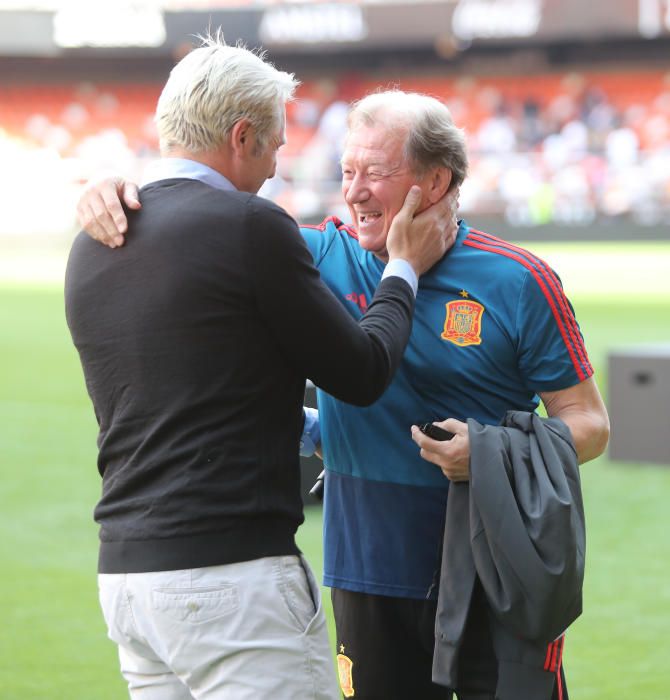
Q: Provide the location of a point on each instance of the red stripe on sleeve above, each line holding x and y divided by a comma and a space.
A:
552, 304
551, 278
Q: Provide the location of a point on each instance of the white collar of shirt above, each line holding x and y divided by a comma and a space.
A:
184, 168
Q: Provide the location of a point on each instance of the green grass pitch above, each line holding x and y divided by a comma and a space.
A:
53, 644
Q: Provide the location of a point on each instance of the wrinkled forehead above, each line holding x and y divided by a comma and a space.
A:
379, 142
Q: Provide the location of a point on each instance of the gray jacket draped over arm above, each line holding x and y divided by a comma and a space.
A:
518, 525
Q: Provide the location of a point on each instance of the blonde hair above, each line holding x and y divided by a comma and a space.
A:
215, 86
432, 138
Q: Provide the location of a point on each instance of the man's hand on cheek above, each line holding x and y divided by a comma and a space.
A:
419, 239
440, 218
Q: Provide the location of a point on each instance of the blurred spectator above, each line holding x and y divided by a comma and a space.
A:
563, 149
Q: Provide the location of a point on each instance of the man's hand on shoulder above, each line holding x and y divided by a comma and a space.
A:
100, 212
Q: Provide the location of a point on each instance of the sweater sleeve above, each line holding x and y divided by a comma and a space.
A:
352, 361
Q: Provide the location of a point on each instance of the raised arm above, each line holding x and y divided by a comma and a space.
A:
352, 361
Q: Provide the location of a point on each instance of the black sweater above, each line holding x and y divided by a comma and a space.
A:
196, 339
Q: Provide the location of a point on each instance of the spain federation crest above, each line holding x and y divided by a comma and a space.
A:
463, 323
344, 668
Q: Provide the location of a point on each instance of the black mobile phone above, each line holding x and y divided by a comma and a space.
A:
435, 432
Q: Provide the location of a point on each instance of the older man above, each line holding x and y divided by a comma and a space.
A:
493, 331
196, 340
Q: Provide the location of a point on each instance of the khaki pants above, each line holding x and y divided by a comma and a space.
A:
248, 631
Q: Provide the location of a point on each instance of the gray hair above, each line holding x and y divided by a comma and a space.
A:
215, 86
432, 138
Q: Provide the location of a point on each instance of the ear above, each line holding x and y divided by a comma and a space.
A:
438, 181
241, 137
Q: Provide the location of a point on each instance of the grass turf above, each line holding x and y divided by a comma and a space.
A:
53, 644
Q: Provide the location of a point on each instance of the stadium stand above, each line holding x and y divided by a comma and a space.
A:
566, 113
569, 147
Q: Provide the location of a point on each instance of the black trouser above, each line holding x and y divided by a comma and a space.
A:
390, 644
386, 645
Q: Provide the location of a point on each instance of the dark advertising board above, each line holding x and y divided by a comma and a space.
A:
311, 27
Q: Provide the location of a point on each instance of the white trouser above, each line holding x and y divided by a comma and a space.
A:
248, 631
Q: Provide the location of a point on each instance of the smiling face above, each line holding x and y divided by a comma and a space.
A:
376, 177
